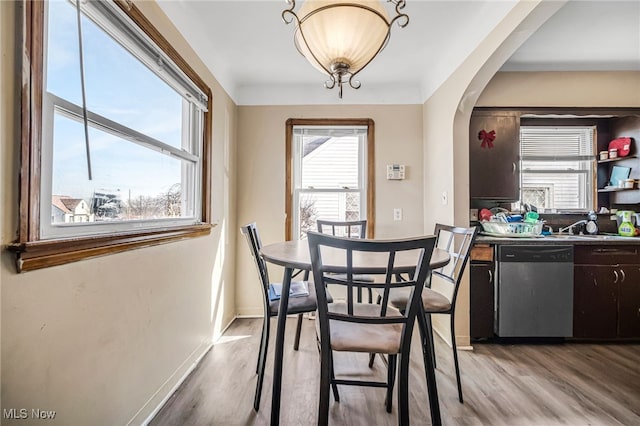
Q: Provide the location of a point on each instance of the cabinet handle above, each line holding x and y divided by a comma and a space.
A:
514, 167
623, 275
490, 276
616, 274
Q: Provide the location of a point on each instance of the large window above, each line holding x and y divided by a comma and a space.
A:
116, 136
329, 176
557, 165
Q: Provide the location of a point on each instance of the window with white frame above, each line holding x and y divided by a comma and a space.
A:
557, 166
137, 161
116, 132
330, 174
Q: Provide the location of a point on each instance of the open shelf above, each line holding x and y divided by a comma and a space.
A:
615, 189
611, 160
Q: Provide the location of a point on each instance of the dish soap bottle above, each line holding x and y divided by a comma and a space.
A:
626, 228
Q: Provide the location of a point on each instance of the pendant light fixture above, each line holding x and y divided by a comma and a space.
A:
341, 37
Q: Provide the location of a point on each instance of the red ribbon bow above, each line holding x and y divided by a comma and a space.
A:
487, 138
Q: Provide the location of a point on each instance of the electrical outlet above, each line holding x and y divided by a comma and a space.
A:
397, 214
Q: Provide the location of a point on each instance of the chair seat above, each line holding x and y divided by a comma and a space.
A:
368, 338
356, 277
432, 301
299, 305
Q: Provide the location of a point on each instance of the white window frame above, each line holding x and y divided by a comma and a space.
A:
125, 32
34, 252
586, 193
366, 172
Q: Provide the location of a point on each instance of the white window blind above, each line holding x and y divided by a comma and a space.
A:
557, 165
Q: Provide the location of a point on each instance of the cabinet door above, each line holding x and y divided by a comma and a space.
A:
493, 165
481, 300
595, 301
629, 301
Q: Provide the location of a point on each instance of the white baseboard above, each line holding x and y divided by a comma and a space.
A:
162, 395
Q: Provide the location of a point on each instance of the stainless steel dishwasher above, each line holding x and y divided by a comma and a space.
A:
534, 295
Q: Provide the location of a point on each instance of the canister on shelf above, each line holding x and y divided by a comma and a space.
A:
604, 155
613, 153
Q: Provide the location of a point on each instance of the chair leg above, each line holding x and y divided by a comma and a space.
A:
325, 384
261, 346
334, 387
370, 295
432, 386
455, 358
403, 391
430, 334
296, 342
372, 358
391, 380
262, 361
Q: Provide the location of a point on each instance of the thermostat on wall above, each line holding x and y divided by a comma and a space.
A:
395, 171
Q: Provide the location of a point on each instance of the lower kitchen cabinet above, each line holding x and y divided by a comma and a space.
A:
595, 302
481, 299
606, 292
481, 291
629, 301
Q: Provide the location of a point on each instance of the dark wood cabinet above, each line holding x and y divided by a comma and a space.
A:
629, 301
606, 292
595, 302
481, 291
493, 164
481, 299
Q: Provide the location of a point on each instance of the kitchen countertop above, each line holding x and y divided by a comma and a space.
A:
560, 239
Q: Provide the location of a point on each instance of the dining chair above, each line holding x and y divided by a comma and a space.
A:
297, 305
348, 229
350, 326
440, 295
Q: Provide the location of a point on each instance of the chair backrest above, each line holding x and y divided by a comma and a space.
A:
457, 241
360, 256
250, 231
343, 228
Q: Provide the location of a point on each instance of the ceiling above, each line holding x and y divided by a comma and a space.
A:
250, 49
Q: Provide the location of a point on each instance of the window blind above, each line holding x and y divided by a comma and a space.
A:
557, 143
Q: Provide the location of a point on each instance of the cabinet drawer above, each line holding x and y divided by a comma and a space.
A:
482, 253
606, 255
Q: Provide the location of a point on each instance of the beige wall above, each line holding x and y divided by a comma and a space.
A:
103, 341
563, 89
261, 177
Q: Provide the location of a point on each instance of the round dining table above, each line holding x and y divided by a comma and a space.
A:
295, 255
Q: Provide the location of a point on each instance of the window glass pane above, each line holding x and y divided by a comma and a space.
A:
330, 162
118, 86
328, 206
63, 62
556, 190
555, 173
130, 182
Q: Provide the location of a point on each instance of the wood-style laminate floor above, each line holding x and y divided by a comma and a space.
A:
515, 384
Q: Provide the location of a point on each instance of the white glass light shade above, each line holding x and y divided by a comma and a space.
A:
349, 32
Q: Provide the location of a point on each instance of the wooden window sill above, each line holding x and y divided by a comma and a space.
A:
45, 253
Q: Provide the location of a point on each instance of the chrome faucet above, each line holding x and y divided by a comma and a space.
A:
570, 227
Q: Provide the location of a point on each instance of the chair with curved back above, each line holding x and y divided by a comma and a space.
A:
297, 305
441, 294
348, 229
349, 326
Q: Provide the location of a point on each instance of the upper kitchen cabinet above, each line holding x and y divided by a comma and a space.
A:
493, 155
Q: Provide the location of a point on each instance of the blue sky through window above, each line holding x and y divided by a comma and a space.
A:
121, 88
